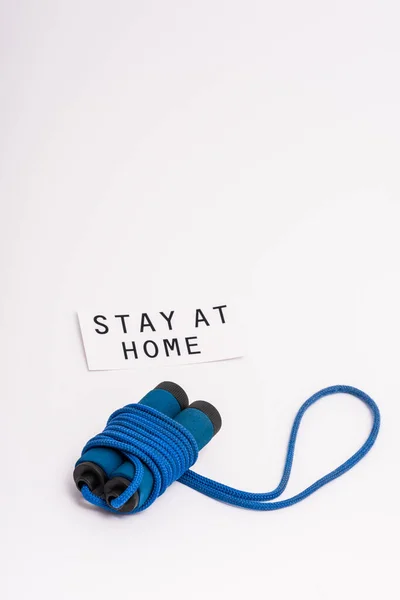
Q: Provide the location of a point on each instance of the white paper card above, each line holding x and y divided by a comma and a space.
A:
127, 337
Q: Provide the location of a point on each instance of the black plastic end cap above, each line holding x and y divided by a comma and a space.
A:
211, 412
178, 393
114, 488
90, 474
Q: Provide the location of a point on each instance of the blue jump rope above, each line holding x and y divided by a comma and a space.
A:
147, 446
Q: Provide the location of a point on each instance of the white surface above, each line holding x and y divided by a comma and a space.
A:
124, 336
151, 147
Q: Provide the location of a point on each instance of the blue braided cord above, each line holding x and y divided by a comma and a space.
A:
144, 435
252, 501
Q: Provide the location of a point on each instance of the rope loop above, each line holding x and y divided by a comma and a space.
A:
243, 499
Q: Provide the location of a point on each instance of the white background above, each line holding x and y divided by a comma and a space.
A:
152, 149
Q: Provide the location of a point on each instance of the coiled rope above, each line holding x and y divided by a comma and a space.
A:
168, 449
